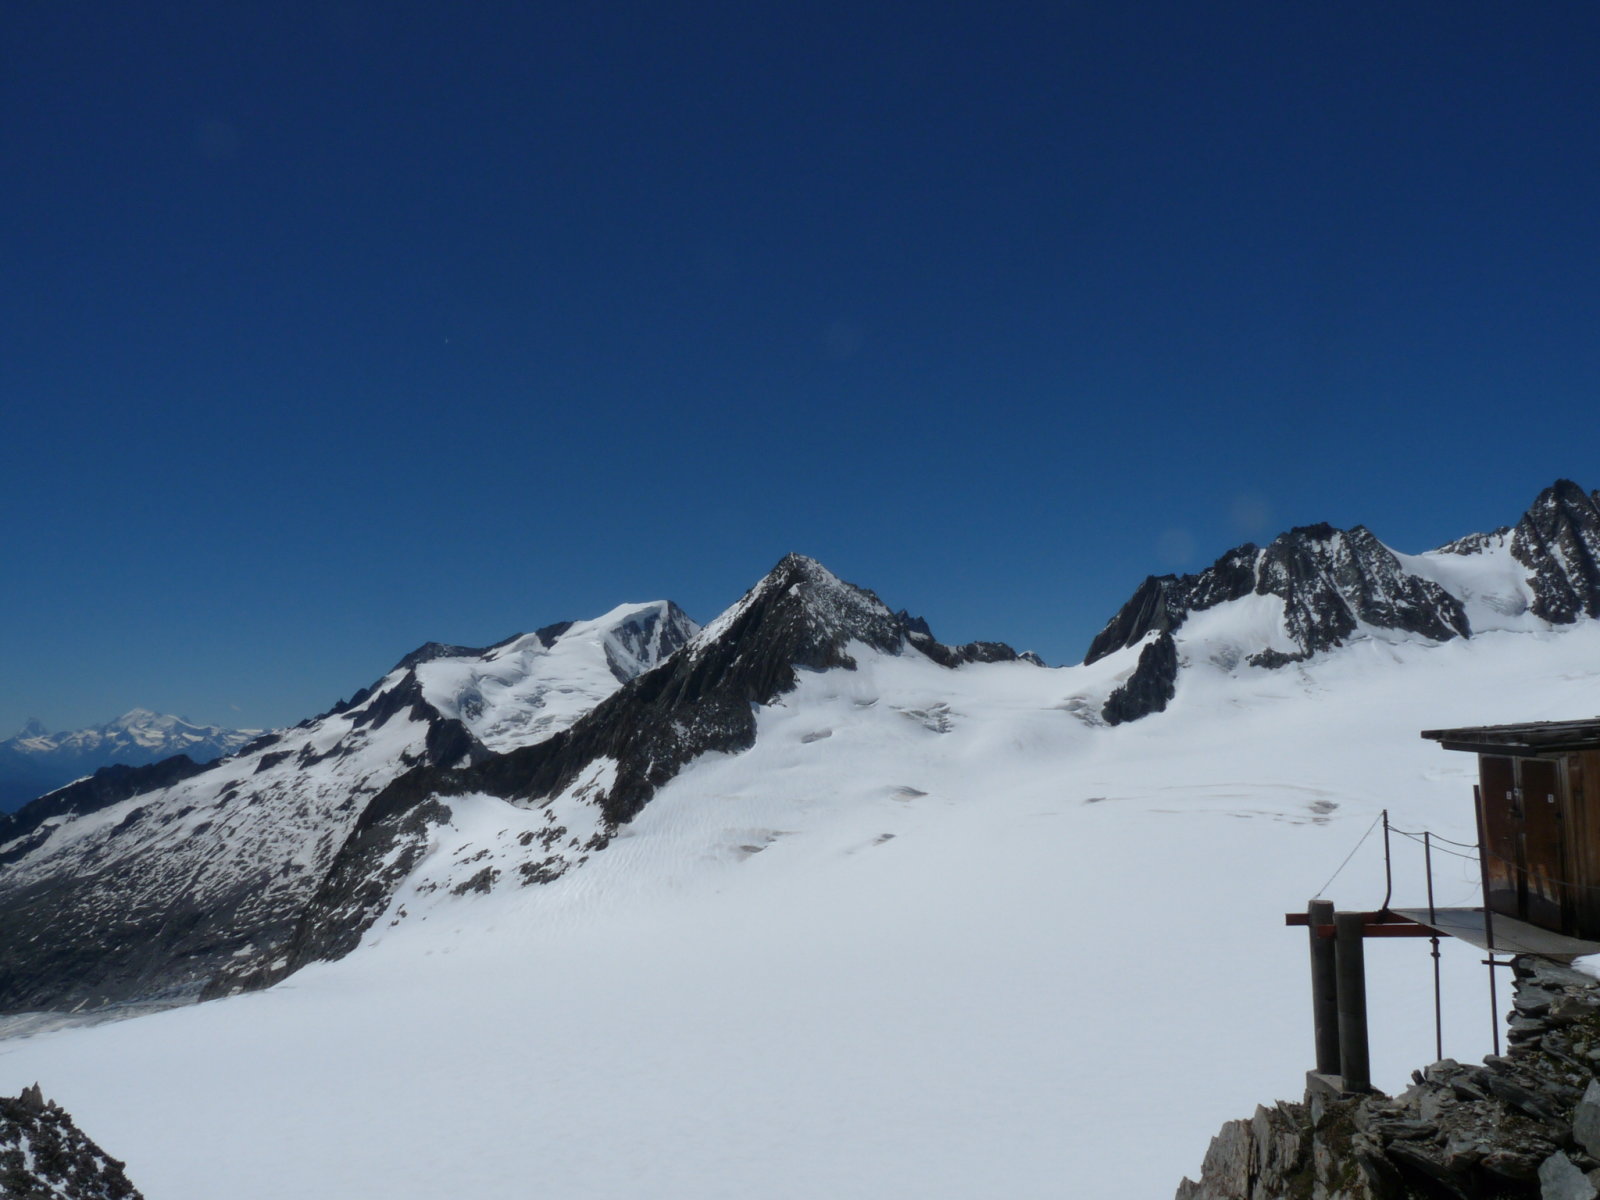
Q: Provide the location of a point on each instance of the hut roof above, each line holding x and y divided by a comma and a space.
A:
1536, 737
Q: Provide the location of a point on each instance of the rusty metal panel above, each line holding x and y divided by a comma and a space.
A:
1543, 843
1502, 833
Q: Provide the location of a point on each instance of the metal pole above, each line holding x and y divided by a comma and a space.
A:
1438, 1009
1388, 867
1427, 861
1494, 1006
1324, 988
1350, 962
1483, 871
1488, 913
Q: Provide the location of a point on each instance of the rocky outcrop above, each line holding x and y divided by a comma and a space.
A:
1525, 1124
1152, 685
1331, 582
45, 1156
1558, 540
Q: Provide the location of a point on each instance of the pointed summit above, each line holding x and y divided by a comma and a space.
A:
1558, 540
800, 614
601, 772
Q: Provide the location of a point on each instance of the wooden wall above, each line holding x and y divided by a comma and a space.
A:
1583, 841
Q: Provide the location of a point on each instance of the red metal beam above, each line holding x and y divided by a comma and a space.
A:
1373, 924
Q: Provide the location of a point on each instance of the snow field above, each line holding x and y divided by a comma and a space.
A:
932, 936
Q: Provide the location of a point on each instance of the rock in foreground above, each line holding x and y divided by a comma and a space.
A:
44, 1156
1526, 1124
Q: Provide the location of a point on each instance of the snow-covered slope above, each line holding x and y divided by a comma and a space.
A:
113, 892
588, 781
35, 760
815, 906
928, 935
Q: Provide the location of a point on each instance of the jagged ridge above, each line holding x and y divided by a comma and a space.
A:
151, 883
1335, 583
702, 699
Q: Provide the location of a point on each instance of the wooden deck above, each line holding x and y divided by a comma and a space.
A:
1511, 936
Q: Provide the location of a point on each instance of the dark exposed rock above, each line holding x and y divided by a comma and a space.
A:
1586, 1119
1328, 579
1151, 686
1476, 543
920, 636
371, 864
1558, 540
969, 652
45, 1156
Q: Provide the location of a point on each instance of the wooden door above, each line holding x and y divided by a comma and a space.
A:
1583, 842
1543, 843
1501, 815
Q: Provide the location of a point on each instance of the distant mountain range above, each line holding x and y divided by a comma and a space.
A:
36, 761
180, 881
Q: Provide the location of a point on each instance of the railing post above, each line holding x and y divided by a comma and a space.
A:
1350, 966
1324, 989
1438, 1006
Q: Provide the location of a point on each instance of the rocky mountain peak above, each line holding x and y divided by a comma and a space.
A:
1558, 541
802, 614
1331, 581
1338, 584
599, 773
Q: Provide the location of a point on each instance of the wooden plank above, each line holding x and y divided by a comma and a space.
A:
1379, 924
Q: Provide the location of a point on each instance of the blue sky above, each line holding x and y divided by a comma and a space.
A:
329, 329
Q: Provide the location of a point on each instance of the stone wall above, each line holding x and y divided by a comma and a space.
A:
1524, 1124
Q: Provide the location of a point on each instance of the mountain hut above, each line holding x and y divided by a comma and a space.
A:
1538, 806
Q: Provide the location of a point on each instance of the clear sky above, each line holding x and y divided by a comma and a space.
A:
327, 329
